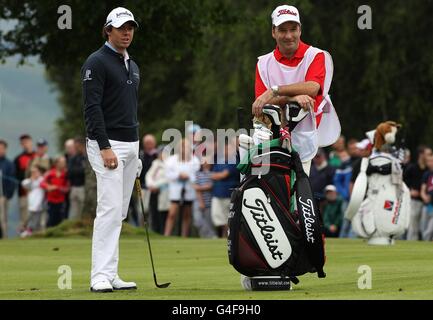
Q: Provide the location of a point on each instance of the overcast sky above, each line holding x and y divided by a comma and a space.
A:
27, 102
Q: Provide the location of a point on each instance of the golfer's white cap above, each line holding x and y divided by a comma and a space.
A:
117, 17
285, 13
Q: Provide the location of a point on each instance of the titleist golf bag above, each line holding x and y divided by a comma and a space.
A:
269, 239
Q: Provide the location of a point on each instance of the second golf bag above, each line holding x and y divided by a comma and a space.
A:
379, 206
270, 240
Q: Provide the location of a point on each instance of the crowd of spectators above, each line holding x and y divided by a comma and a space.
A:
49, 190
188, 193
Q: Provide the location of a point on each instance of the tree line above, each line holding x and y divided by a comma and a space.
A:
198, 57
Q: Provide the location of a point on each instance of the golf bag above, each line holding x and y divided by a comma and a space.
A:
384, 211
268, 238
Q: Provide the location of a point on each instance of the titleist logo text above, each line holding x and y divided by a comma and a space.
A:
286, 11
309, 217
261, 216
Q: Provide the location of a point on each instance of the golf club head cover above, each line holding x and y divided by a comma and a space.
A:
294, 114
309, 217
274, 115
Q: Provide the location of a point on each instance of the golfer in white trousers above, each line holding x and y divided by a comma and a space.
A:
110, 90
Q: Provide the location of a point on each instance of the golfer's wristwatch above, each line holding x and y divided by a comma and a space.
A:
275, 91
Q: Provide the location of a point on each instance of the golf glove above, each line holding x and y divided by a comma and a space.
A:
261, 133
139, 167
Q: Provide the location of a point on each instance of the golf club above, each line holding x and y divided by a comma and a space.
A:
138, 187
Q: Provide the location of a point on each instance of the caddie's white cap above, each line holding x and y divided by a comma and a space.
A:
119, 16
285, 13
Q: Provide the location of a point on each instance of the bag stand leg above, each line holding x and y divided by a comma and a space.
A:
381, 241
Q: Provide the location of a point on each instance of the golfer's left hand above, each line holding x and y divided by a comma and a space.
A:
139, 167
261, 101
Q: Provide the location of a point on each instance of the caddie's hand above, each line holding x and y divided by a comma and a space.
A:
139, 167
261, 101
109, 158
305, 101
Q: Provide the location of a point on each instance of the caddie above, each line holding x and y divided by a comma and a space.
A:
298, 72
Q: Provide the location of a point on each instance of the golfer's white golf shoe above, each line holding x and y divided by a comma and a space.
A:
119, 284
102, 286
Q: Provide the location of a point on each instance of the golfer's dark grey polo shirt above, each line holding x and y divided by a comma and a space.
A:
110, 93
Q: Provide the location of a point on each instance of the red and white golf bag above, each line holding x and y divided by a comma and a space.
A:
380, 204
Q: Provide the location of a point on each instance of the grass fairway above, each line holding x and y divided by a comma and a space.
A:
199, 269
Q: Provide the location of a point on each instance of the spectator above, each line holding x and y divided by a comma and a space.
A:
352, 149
407, 157
412, 176
70, 152
181, 169
226, 177
36, 200
56, 186
41, 158
22, 162
70, 149
332, 212
147, 155
76, 178
343, 172
202, 205
7, 187
321, 175
156, 182
357, 150
338, 152
194, 137
427, 197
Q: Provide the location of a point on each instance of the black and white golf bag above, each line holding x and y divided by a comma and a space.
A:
380, 203
269, 240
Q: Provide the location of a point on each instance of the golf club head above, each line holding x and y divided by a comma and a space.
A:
295, 114
273, 113
164, 285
